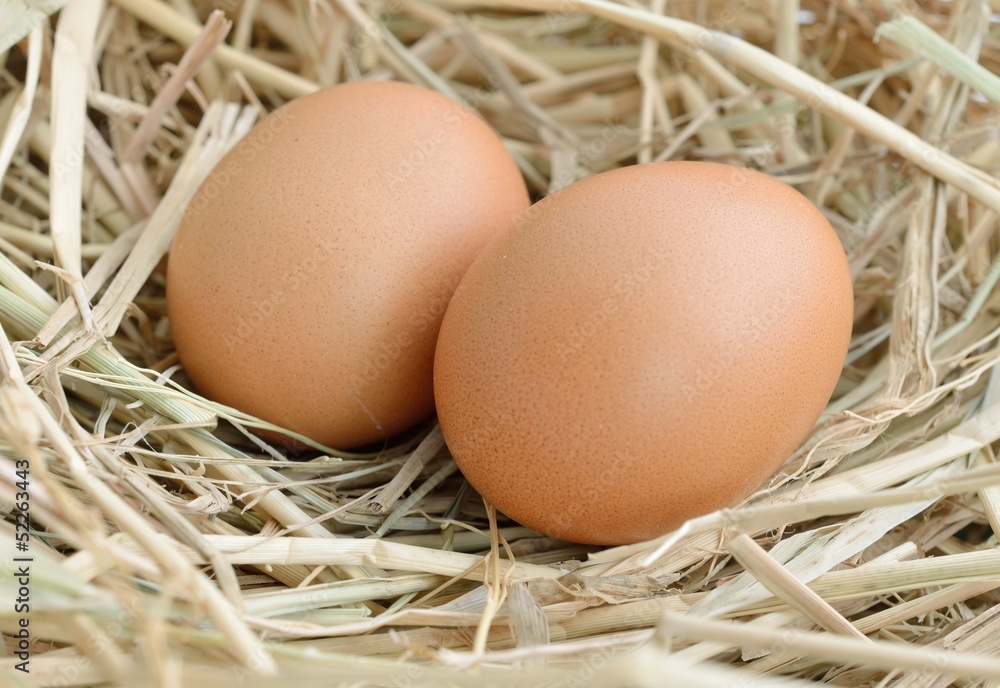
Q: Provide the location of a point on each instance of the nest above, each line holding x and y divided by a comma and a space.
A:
171, 547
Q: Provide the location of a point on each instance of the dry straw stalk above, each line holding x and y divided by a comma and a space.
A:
175, 548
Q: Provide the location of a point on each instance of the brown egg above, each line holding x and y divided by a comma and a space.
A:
310, 273
642, 347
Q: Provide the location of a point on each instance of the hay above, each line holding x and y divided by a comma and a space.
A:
172, 547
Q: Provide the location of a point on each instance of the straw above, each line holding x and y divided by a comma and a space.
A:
23, 17
71, 57
174, 546
910, 32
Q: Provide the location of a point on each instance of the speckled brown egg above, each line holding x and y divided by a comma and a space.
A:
308, 278
642, 347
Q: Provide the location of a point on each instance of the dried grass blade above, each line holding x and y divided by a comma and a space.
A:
527, 619
753, 519
784, 585
967, 438
836, 648
653, 102
212, 142
808, 89
72, 59
170, 23
939, 599
433, 481
912, 33
18, 118
213, 33
137, 203
21, 17
818, 553
244, 645
909, 575
99, 273
391, 556
425, 451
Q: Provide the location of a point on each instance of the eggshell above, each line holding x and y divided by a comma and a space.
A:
310, 273
642, 347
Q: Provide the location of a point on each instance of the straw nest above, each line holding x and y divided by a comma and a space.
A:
170, 548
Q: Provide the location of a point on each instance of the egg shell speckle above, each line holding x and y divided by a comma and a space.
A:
642, 347
311, 270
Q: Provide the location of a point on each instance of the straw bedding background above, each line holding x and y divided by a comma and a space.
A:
171, 548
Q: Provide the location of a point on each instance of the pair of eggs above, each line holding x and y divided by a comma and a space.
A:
641, 347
